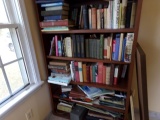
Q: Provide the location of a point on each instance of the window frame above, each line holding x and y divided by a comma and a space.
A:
28, 50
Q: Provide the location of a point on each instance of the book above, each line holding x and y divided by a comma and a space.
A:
68, 45
55, 28
92, 92
57, 8
80, 71
128, 47
123, 13
65, 22
60, 63
54, 4
55, 17
52, 48
49, 1
59, 80
64, 108
116, 4
54, 12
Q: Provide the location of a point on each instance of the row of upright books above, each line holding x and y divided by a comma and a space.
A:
109, 74
110, 15
117, 47
55, 15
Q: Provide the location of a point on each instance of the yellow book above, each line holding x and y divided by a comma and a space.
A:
84, 72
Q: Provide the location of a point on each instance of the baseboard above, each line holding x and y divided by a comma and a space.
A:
152, 114
48, 116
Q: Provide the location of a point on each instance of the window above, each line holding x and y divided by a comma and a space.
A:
18, 68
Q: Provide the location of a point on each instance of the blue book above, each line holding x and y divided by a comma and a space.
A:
60, 80
123, 49
92, 92
59, 48
55, 17
49, 1
54, 4
116, 52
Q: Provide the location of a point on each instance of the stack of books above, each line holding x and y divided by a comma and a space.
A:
65, 106
60, 72
55, 15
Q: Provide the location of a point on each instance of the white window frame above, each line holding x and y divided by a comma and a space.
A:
28, 51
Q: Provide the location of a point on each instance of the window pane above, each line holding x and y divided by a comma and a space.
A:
9, 46
3, 87
4, 18
16, 75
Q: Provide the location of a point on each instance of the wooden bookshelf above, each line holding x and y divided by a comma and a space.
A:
86, 60
121, 87
94, 105
124, 86
91, 31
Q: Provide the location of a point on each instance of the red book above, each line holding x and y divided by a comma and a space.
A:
76, 72
100, 72
116, 75
88, 73
104, 74
56, 23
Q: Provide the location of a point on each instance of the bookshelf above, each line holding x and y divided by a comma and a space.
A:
124, 85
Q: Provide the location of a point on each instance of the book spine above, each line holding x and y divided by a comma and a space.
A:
80, 71
59, 48
52, 4
128, 14
68, 46
100, 72
54, 23
88, 73
56, 42
108, 70
123, 49
74, 45
87, 47
120, 46
94, 16
78, 46
128, 48
84, 72
101, 45
116, 13
123, 17
76, 72
116, 75
82, 46
98, 19
64, 108
85, 17
90, 18
104, 74
57, 17
133, 12
105, 17
105, 48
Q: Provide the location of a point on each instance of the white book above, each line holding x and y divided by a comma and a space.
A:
109, 15
128, 47
57, 8
90, 18
116, 4
68, 47
120, 46
80, 71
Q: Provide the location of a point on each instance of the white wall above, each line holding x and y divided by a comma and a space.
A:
149, 39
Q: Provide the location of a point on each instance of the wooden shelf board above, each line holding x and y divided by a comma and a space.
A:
86, 60
125, 30
122, 87
94, 105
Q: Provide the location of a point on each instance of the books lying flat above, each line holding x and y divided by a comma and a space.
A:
59, 80
54, 12
56, 28
56, 23
92, 92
